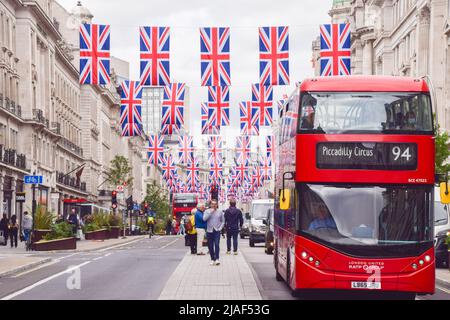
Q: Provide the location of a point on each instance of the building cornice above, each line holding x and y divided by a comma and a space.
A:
67, 63
43, 17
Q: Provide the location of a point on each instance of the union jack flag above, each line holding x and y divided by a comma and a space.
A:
155, 150
269, 147
242, 172
130, 108
173, 106
202, 192
192, 175
186, 149
274, 56
280, 106
215, 56
262, 100
207, 128
266, 168
169, 129
289, 124
94, 54
215, 171
155, 45
219, 106
249, 119
335, 50
215, 149
242, 149
257, 177
169, 171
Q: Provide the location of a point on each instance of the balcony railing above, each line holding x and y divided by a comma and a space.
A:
10, 106
69, 181
68, 145
12, 158
56, 127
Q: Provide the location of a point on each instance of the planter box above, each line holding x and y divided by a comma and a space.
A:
58, 244
114, 233
101, 234
39, 234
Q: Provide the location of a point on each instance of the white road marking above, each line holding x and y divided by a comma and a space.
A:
165, 246
31, 287
119, 245
443, 289
97, 258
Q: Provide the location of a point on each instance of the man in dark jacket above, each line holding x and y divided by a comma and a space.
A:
233, 223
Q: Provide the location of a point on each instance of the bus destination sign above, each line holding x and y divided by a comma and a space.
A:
366, 156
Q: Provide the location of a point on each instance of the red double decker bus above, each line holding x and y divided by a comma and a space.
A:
182, 204
354, 180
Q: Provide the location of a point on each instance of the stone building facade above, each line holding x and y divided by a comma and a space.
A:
49, 124
400, 38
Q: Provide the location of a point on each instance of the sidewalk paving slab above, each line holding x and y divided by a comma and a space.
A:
195, 279
443, 276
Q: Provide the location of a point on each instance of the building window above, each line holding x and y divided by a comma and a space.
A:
13, 139
2, 134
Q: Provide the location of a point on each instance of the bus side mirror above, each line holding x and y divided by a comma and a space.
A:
445, 192
285, 197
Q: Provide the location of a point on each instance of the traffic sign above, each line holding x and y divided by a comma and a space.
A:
33, 179
20, 196
119, 188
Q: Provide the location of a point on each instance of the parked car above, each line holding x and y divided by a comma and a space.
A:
441, 229
258, 212
269, 232
245, 231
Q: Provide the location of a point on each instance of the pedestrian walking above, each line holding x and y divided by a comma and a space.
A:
181, 230
233, 223
191, 230
200, 225
4, 228
13, 230
174, 226
27, 225
73, 221
169, 227
215, 222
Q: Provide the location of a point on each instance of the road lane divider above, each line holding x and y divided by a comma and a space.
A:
168, 244
41, 282
119, 245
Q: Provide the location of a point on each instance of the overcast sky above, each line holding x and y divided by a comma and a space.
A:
186, 16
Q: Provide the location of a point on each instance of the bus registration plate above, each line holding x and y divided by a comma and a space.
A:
366, 285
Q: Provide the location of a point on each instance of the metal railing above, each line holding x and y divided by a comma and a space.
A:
56, 127
12, 158
69, 181
68, 145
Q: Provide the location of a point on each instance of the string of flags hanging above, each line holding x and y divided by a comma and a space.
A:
246, 177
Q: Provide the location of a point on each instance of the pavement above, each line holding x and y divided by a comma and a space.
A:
15, 260
443, 277
195, 279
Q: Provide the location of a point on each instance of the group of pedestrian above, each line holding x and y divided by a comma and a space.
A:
10, 228
212, 222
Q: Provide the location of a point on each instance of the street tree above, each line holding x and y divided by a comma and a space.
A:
156, 199
442, 151
120, 172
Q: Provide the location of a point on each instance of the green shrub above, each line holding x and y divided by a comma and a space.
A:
43, 219
60, 231
101, 219
114, 221
447, 241
91, 227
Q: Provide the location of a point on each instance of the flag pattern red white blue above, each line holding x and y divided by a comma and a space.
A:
207, 128
219, 106
215, 149
193, 169
274, 56
155, 54
335, 52
185, 149
155, 149
168, 168
242, 149
215, 171
249, 119
94, 54
242, 172
262, 99
173, 108
266, 168
130, 108
215, 56
269, 147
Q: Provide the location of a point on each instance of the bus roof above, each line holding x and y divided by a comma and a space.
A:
364, 84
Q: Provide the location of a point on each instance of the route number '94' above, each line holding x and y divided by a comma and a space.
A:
399, 153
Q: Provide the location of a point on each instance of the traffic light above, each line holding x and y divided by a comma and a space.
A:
214, 192
114, 199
